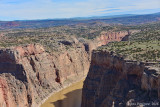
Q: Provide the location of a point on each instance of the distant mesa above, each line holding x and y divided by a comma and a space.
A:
10, 24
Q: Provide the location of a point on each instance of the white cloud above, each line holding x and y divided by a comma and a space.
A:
41, 9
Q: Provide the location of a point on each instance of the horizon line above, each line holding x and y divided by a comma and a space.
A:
91, 17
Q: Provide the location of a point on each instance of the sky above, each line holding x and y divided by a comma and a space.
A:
50, 9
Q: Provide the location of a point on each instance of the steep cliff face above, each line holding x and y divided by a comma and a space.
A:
113, 81
28, 74
107, 37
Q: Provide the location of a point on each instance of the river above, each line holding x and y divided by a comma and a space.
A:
68, 97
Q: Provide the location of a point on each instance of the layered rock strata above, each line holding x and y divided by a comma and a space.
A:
106, 37
115, 82
28, 74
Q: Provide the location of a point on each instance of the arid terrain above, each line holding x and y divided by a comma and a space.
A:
120, 61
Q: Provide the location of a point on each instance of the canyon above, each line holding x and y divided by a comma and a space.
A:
29, 74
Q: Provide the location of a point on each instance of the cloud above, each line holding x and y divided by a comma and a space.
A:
43, 9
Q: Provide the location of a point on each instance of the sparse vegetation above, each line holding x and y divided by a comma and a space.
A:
143, 45
140, 51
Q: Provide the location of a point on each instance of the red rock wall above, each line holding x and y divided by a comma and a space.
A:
114, 82
5, 95
28, 74
107, 37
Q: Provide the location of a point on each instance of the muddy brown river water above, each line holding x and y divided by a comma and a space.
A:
68, 97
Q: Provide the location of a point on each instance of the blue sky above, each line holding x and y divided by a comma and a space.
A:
48, 9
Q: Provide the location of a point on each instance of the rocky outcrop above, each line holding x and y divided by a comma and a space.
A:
29, 74
107, 37
115, 82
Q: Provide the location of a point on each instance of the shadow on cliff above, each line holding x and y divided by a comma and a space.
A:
73, 99
8, 65
14, 69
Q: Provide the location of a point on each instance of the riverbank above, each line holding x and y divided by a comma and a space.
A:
68, 83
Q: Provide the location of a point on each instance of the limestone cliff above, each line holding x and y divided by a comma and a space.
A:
115, 82
28, 74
